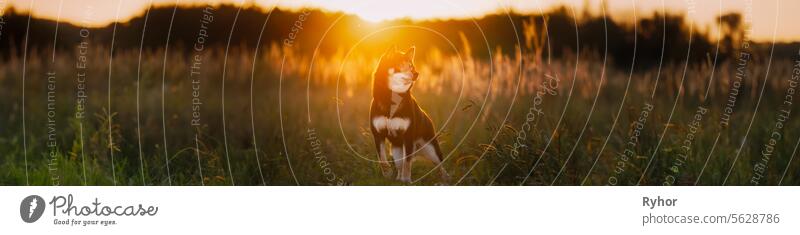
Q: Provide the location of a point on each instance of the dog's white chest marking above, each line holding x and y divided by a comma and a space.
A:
391, 124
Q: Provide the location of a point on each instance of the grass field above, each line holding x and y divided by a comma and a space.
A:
284, 118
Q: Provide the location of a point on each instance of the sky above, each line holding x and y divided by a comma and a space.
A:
770, 19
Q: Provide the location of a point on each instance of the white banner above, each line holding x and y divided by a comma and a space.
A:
398, 210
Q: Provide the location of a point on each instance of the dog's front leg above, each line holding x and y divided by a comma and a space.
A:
386, 168
398, 154
407, 157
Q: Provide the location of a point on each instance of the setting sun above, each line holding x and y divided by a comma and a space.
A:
375, 11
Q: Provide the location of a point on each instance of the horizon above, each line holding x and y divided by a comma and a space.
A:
765, 14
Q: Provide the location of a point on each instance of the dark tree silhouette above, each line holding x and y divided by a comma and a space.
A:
732, 31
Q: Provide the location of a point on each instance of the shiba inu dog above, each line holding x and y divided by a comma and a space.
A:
396, 117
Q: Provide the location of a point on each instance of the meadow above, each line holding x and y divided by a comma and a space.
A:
276, 116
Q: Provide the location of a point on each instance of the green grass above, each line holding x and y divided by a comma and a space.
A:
467, 139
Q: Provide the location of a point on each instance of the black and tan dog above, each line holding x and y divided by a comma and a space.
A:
396, 117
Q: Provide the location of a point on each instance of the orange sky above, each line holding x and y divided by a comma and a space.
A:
766, 14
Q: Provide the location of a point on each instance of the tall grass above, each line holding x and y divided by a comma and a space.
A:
478, 105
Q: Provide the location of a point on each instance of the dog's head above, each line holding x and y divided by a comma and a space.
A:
396, 72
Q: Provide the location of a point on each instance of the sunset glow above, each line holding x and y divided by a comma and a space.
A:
765, 14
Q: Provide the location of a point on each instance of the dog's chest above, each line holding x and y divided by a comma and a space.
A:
391, 124
395, 122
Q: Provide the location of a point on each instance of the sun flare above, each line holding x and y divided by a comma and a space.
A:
377, 11
98, 13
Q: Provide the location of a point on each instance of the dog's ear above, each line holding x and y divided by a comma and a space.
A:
410, 52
